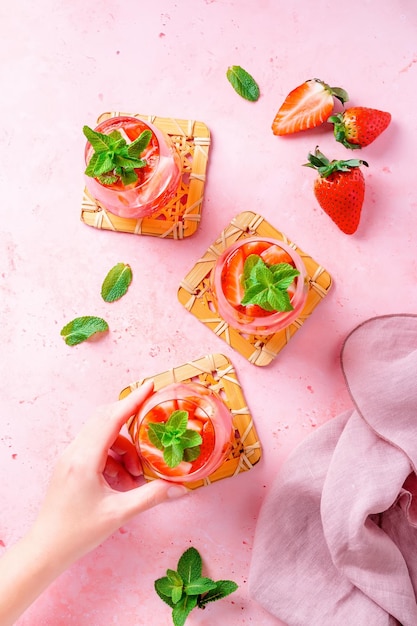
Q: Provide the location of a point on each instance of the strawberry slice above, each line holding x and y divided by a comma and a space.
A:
254, 247
307, 106
274, 255
231, 278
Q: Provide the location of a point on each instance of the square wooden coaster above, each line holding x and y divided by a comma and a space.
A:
181, 216
195, 295
216, 372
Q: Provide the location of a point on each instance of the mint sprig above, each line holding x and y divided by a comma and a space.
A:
114, 158
267, 285
186, 588
178, 442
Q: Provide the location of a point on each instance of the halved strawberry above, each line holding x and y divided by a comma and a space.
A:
231, 278
357, 127
274, 255
307, 106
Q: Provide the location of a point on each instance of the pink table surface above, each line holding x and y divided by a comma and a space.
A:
62, 64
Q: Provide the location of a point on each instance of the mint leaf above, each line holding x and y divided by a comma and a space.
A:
176, 594
243, 83
116, 283
177, 422
136, 148
182, 609
191, 454
191, 439
173, 454
99, 141
250, 263
128, 176
199, 586
222, 589
155, 433
190, 565
267, 285
82, 328
163, 588
174, 578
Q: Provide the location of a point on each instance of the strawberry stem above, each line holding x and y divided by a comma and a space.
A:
337, 92
340, 131
325, 168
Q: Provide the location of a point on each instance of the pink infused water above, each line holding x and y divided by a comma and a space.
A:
157, 182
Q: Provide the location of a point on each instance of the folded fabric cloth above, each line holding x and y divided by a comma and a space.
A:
336, 538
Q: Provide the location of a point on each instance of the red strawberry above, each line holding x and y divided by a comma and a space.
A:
274, 255
231, 278
307, 106
339, 189
359, 126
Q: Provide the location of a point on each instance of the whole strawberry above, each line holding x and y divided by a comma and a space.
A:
339, 189
357, 127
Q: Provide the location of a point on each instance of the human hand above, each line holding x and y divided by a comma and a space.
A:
93, 490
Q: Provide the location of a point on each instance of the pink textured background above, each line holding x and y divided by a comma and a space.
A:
62, 64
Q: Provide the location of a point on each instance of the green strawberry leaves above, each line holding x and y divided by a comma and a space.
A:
267, 285
116, 283
243, 83
114, 158
187, 588
176, 440
82, 328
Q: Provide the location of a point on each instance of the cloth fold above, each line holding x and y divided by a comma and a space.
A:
336, 538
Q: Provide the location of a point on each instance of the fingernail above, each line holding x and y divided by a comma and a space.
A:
176, 491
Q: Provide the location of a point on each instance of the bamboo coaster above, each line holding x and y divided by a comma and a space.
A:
195, 295
216, 372
181, 216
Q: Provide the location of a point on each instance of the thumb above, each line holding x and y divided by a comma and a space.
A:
142, 498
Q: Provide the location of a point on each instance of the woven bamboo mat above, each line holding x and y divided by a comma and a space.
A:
216, 372
181, 216
195, 295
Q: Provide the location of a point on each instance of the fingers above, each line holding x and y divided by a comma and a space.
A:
129, 457
117, 476
101, 430
147, 496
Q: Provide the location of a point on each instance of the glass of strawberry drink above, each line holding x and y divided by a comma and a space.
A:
134, 170
259, 285
183, 432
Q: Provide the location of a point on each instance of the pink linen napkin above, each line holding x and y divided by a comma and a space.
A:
336, 539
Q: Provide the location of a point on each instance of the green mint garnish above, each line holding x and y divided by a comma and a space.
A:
243, 83
82, 328
186, 588
178, 442
116, 283
114, 158
267, 285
